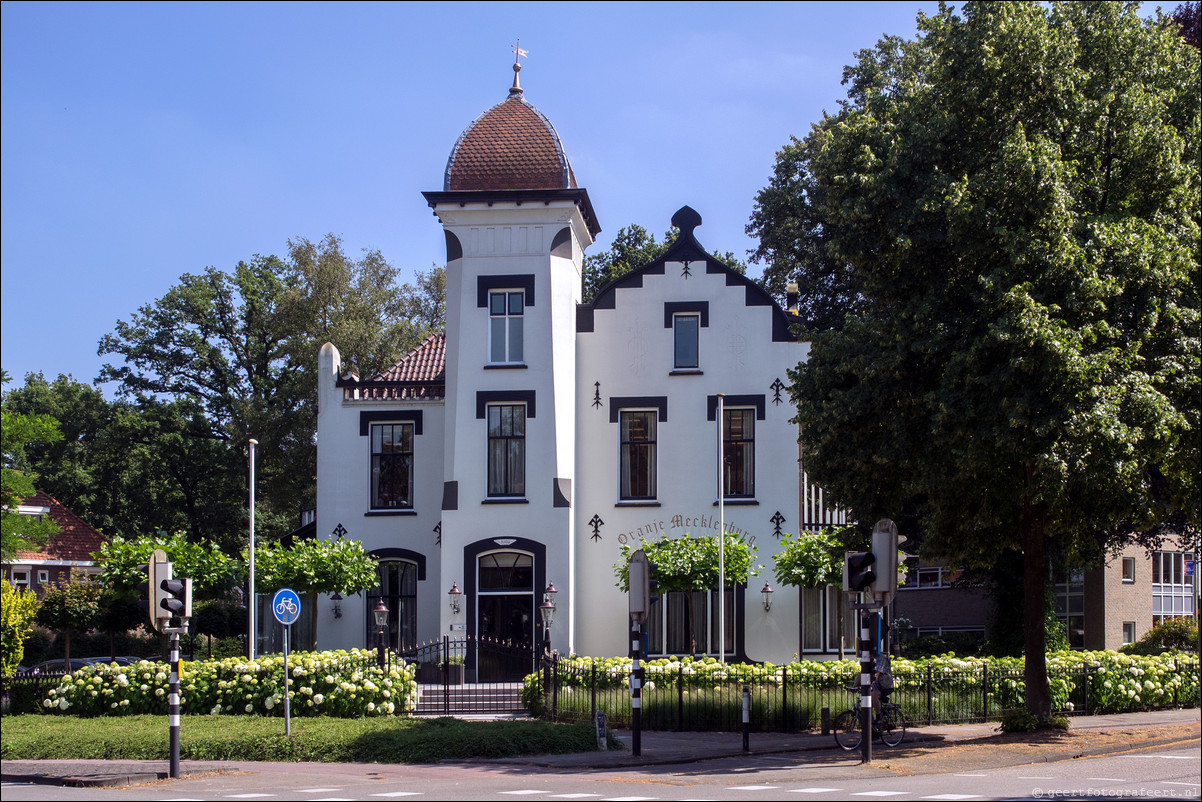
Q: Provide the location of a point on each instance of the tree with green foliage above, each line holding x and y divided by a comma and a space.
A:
212, 572
17, 433
1004, 219
632, 247
812, 559
18, 611
687, 564
315, 566
69, 606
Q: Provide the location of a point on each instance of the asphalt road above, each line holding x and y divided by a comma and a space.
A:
1159, 772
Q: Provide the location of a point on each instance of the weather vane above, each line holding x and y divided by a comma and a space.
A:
518, 55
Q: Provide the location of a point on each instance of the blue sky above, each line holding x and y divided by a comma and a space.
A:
142, 141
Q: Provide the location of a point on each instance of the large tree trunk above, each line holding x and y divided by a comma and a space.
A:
1035, 579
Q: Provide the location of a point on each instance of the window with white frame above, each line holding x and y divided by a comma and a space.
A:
638, 455
1172, 590
506, 450
20, 577
391, 466
686, 350
684, 623
826, 620
1128, 570
1070, 605
738, 456
506, 316
1128, 632
43, 577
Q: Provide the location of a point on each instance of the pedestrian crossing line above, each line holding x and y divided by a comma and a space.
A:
398, 793
573, 796
524, 792
247, 796
753, 787
316, 790
1108, 779
334, 799
880, 793
1170, 782
813, 790
952, 796
631, 799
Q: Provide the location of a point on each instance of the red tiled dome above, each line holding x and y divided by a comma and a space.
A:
510, 146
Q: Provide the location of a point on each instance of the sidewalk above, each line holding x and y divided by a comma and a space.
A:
658, 749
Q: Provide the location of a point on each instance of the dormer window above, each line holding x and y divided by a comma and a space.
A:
505, 327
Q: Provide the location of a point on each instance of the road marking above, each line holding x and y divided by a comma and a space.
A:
1108, 779
753, 787
970, 775
247, 796
814, 790
952, 796
1036, 778
880, 793
630, 799
1191, 785
573, 796
1167, 757
334, 799
316, 790
527, 791
399, 793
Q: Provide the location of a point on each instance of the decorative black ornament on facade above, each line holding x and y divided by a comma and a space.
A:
776, 387
777, 520
339, 531
596, 523
438, 531
685, 270
597, 402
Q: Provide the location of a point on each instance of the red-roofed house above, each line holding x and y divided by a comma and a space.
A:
71, 548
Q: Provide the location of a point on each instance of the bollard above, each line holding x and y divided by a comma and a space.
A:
746, 718
826, 721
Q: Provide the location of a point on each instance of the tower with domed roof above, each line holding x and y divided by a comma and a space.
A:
516, 226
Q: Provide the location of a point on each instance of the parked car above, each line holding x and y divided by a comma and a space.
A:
104, 661
56, 666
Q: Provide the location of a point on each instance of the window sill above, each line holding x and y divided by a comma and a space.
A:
506, 500
637, 503
386, 513
687, 372
505, 366
740, 502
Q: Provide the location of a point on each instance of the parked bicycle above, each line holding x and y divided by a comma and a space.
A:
888, 724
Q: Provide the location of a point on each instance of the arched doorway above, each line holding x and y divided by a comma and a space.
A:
505, 598
398, 588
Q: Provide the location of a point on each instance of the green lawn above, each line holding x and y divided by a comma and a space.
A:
374, 740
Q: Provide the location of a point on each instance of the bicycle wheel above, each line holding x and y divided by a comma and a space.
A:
893, 726
847, 729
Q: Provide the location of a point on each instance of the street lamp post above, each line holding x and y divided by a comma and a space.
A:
381, 615
547, 611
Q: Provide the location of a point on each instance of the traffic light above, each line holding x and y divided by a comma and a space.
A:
884, 547
154, 571
857, 570
175, 598
653, 594
144, 590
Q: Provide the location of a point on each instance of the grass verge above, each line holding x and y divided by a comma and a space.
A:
330, 740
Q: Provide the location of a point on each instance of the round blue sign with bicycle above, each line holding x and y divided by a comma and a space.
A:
286, 606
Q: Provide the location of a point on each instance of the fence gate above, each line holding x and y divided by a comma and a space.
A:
470, 676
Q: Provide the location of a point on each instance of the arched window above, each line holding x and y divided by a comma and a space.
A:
398, 588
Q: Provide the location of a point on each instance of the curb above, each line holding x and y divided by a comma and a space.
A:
104, 780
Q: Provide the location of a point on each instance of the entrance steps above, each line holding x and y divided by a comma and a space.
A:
492, 699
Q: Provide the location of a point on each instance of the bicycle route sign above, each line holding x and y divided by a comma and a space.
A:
286, 606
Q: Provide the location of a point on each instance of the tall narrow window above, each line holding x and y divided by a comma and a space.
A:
638, 455
685, 329
507, 450
398, 589
505, 318
392, 466
738, 460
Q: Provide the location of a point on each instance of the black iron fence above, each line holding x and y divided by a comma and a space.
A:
787, 698
469, 676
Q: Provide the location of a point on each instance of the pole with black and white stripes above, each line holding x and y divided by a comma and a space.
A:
636, 690
867, 646
173, 707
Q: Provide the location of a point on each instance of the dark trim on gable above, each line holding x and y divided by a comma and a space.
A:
561, 245
584, 318
561, 492
522, 281
367, 418
403, 554
454, 246
701, 308
619, 402
757, 401
486, 397
450, 496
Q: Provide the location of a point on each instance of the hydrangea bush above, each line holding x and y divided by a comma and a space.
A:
343, 684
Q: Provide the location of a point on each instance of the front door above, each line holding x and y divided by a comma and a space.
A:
505, 615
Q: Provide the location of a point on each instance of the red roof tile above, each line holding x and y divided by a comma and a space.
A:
75, 540
510, 146
426, 363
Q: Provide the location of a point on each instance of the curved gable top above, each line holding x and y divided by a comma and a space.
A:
686, 248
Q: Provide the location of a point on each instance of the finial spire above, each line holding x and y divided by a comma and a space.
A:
518, 54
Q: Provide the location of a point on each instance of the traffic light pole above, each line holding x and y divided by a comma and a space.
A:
867, 646
636, 691
173, 707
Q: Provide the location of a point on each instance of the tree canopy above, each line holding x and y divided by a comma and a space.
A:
17, 432
998, 232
